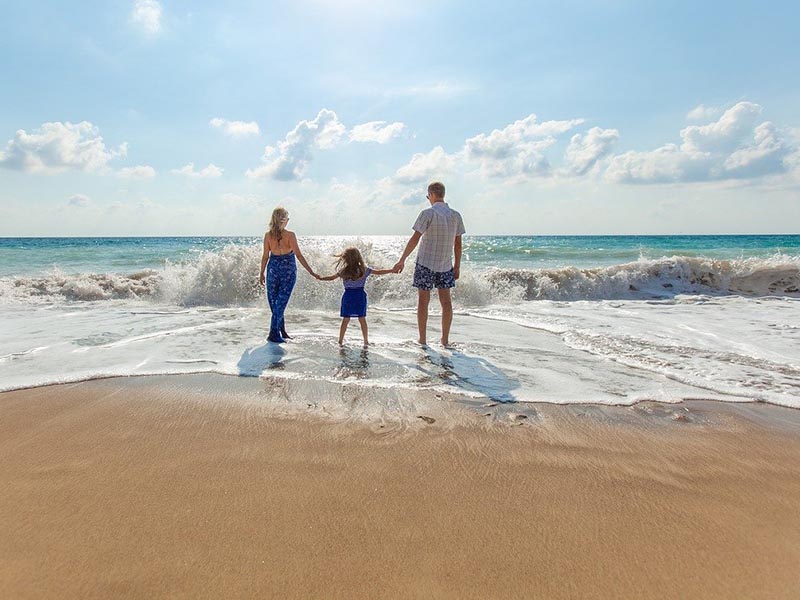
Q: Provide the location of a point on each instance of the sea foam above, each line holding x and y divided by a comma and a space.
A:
229, 277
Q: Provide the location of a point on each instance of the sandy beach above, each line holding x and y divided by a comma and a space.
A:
197, 487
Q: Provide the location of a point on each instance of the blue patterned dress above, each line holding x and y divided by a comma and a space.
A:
281, 277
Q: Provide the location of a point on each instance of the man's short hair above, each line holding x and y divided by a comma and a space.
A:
436, 188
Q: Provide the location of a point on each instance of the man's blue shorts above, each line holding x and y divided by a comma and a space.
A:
426, 279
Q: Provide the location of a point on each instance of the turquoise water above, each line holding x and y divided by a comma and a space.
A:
35, 256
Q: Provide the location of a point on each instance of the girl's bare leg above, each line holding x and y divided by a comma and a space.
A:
343, 329
363, 322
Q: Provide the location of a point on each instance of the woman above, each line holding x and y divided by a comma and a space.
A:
280, 247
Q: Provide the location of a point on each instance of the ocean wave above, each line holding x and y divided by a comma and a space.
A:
229, 277
663, 277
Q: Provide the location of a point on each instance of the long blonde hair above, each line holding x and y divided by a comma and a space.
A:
350, 265
275, 228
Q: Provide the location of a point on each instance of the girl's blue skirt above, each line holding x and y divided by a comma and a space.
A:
354, 303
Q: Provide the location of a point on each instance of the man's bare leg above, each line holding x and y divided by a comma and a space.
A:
447, 314
423, 299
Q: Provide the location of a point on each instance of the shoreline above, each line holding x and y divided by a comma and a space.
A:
453, 394
198, 486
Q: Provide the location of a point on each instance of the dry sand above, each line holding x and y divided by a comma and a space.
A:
186, 487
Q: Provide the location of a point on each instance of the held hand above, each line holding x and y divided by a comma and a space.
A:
398, 268
261, 279
317, 276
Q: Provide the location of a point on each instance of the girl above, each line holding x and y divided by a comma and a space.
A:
351, 268
280, 247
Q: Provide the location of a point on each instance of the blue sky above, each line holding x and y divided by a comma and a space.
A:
148, 117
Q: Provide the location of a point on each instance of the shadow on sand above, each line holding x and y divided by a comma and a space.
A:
469, 373
255, 361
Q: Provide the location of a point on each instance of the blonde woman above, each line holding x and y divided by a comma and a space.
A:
279, 270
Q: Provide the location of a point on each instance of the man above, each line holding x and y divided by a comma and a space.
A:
440, 228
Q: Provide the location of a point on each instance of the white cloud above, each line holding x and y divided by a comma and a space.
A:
210, 171
703, 113
733, 147
412, 198
290, 160
57, 147
517, 149
147, 14
734, 126
235, 128
425, 167
376, 131
584, 151
762, 156
137, 172
78, 201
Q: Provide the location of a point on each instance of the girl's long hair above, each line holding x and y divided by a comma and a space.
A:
350, 264
275, 228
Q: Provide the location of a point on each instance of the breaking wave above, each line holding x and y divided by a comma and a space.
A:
229, 277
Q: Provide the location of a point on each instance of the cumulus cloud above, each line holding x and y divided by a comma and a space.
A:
584, 151
137, 172
235, 128
57, 147
210, 171
290, 160
734, 146
425, 167
702, 112
147, 15
518, 148
376, 131
412, 198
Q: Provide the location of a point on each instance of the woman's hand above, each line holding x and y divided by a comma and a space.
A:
261, 279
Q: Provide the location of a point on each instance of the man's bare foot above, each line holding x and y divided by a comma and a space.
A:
422, 342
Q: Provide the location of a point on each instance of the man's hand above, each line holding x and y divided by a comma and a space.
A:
398, 268
456, 272
261, 279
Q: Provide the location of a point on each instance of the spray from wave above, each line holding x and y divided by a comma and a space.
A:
229, 277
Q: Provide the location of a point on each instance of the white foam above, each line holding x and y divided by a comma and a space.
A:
229, 277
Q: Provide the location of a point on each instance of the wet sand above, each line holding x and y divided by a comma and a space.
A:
197, 487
